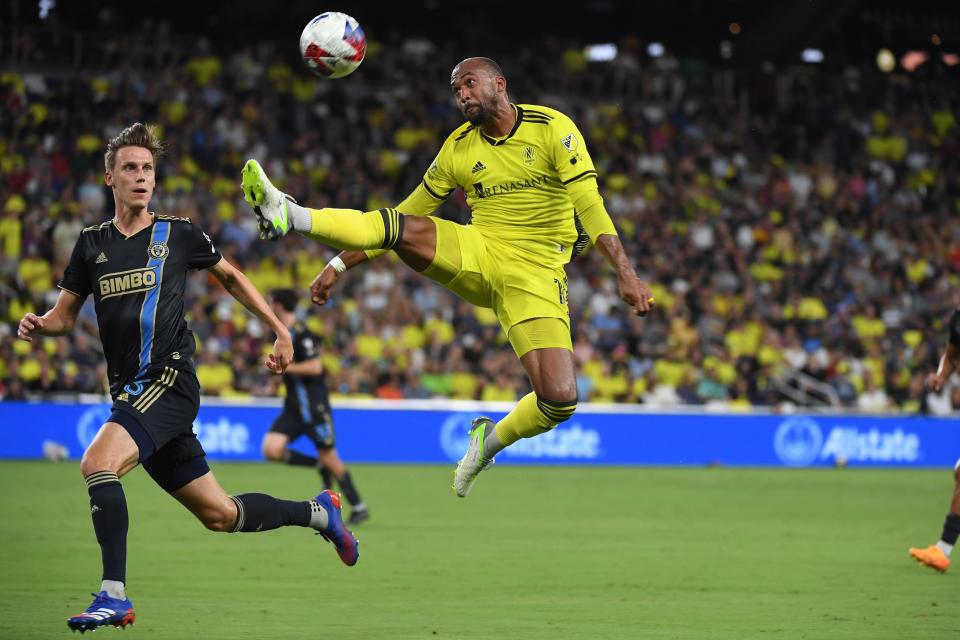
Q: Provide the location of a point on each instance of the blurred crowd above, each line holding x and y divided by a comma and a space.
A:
799, 226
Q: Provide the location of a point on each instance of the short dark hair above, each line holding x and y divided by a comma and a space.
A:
136, 135
286, 298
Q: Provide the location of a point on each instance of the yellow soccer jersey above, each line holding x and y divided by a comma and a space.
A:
517, 186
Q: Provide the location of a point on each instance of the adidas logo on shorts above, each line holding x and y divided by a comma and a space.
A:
477, 167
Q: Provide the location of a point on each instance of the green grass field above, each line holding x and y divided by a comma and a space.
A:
532, 553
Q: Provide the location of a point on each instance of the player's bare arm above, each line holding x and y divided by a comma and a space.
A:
55, 322
240, 287
321, 285
949, 362
633, 291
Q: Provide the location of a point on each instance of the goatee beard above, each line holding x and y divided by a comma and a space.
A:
480, 116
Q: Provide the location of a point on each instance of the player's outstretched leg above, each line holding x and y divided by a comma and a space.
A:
473, 461
348, 229
103, 611
331, 527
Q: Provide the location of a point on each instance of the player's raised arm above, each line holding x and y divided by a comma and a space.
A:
597, 224
240, 287
55, 322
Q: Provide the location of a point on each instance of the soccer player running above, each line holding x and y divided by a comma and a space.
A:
937, 556
306, 409
136, 267
531, 183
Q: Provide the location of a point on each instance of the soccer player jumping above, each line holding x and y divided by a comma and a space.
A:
937, 556
533, 189
136, 268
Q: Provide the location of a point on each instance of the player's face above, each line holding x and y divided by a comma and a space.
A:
132, 178
475, 90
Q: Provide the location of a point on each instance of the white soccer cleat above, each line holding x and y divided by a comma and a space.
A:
473, 461
269, 203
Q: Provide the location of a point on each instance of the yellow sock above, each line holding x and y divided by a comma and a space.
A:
531, 417
350, 229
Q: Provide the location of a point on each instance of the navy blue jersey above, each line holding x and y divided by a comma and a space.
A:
138, 284
307, 396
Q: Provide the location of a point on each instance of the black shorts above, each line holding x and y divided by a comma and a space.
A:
292, 425
158, 413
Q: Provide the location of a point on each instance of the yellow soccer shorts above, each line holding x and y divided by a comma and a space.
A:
530, 299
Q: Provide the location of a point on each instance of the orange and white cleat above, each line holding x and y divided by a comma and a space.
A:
933, 556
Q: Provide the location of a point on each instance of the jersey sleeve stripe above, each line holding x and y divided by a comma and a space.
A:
434, 193
590, 173
70, 290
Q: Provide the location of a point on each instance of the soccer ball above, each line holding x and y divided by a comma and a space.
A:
333, 45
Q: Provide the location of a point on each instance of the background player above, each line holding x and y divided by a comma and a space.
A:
530, 182
306, 409
937, 556
136, 266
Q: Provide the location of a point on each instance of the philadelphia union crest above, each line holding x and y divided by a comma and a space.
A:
158, 250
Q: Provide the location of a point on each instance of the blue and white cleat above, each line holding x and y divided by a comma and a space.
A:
473, 461
269, 203
104, 610
348, 547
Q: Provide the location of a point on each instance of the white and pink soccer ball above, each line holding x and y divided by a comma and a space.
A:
333, 45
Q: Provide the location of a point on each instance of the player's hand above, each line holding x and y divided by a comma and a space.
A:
934, 382
321, 285
30, 323
636, 293
282, 355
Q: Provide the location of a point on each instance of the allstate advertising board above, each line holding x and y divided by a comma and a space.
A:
401, 432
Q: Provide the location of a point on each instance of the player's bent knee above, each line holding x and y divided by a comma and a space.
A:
558, 391
272, 451
92, 463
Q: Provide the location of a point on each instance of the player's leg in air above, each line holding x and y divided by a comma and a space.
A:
552, 401
937, 556
542, 343
276, 447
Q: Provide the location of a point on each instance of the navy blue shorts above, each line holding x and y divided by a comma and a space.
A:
292, 425
158, 413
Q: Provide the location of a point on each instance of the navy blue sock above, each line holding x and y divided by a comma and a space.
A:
108, 508
346, 483
326, 477
951, 528
260, 512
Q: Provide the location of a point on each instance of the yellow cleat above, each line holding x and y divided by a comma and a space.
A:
932, 556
